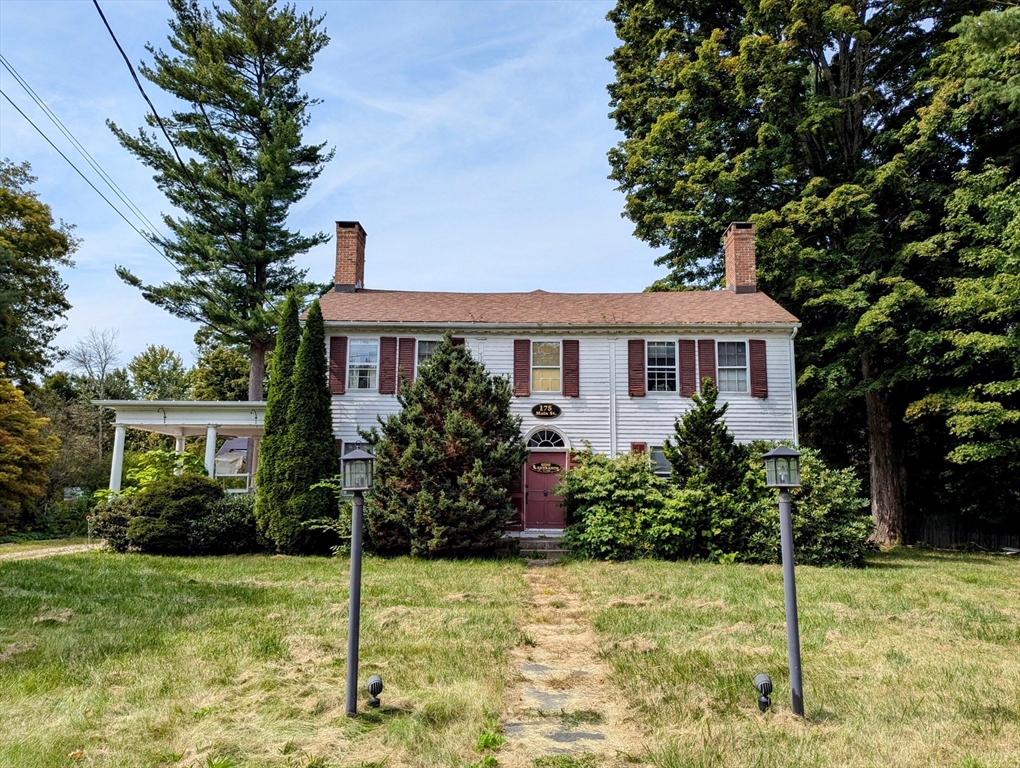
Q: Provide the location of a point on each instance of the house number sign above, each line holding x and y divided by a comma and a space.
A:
546, 411
545, 468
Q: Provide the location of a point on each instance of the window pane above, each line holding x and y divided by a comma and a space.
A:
660, 465
545, 380
363, 352
732, 354
426, 349
732, 379
661, 353
545, 353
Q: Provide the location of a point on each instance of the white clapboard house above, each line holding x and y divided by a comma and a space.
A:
610, 370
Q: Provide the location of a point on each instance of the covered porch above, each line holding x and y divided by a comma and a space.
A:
183, 419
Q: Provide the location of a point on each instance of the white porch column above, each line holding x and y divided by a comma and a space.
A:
179, 447
210, 449
117, 466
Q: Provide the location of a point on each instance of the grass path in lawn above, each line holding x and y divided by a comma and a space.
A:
47, 549
560, 706
913, 662
147, 662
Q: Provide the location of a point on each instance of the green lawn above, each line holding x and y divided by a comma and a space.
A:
914, 661
145, 661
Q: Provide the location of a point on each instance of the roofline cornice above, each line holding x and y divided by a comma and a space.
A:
469, 327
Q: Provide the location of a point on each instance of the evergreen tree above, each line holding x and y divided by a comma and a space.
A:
237, 69
799, 117
444, 463
308, 455
271, 489
702, 451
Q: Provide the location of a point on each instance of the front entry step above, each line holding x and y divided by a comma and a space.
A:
541, 548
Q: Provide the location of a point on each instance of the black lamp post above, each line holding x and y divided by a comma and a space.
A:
782, 471
357, 474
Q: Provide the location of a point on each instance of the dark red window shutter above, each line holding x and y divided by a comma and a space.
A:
688, 367
457, 342
706, 361
338, 364
571, 368
405, 361
522, 367
759, 368
636, 367
639, 448
387, 365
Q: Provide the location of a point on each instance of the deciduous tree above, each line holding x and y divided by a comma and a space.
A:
26, 452
32, 298
237, 69
158, 373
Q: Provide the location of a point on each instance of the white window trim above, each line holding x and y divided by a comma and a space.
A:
417, 361
558, 368
351, 367
676, 368
746, 367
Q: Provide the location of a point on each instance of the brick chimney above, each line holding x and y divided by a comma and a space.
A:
350, 256
738, 249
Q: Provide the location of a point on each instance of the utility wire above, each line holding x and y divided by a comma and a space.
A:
87, 180
187, 173
77, 145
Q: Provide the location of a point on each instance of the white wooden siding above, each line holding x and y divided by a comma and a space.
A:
592, 417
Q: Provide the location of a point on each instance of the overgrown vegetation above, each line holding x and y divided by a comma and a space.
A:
445, 461
140, 661
715, 504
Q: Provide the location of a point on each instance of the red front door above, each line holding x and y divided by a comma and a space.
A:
542, 508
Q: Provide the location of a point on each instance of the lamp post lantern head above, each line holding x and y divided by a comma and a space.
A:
782, 468
358, 470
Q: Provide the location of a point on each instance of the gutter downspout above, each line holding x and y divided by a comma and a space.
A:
612, 399
793, 387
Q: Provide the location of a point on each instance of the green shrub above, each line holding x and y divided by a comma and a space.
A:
618, 509
110, 521
166, 511
227, 528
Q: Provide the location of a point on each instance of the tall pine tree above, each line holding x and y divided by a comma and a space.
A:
237, 70
445, 461
271, 489
308, 455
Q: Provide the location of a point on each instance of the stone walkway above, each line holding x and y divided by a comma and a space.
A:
561, 701
33, 554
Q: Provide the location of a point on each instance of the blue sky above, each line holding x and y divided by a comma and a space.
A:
470, 137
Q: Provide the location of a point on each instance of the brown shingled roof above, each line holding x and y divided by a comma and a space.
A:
554, 309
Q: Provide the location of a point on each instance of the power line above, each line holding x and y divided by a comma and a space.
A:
77, 145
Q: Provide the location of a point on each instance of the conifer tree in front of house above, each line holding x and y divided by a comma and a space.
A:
445, 461
702, 451
272, 489
308, 454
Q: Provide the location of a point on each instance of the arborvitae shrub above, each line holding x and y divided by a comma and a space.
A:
445, 461
166, 510
308, 455
272, 488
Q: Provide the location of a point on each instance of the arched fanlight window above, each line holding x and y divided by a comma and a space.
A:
546, 438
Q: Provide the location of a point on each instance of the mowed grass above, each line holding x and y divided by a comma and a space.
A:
914, 661
145, 661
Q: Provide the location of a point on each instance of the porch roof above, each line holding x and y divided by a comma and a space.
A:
186, 418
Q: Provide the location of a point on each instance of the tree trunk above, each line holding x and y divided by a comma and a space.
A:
256, 372
887, 481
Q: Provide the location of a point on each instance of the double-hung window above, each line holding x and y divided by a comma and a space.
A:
545, 366
425, 350
732, 366
362, 363
661, 366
